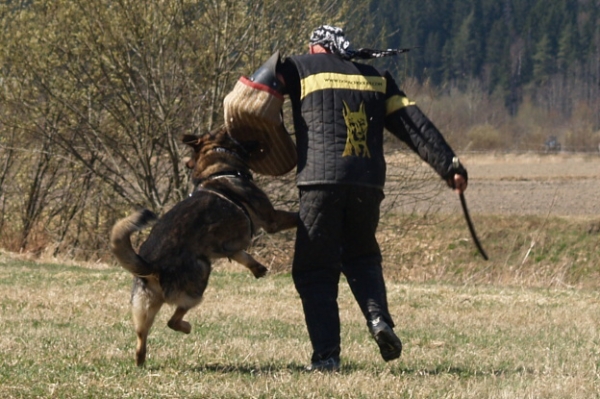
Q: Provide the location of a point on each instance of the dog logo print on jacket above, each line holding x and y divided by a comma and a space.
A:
357, 126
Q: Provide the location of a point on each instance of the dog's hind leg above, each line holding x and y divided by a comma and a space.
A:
144, 310
177, 323
247, 260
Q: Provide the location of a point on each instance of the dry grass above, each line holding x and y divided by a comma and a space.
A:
66, 333
524, 251
522, 325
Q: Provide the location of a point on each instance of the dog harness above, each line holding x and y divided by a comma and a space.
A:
234, 201
226, 173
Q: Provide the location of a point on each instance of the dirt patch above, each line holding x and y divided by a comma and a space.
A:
514, 184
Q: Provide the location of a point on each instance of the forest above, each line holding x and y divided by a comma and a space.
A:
96, 94
545, 50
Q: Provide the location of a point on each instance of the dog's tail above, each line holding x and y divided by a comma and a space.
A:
120, 242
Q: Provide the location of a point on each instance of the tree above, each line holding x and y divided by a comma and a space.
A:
108, 87
544, 65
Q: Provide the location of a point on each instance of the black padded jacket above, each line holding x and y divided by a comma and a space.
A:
340, 111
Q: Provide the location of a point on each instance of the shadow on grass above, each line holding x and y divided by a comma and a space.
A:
442, 369
461, 372
351, 368
250, 369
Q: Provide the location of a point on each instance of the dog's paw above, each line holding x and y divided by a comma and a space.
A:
259, 271
181, 326
185, 327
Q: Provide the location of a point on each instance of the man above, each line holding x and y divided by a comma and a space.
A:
340, 109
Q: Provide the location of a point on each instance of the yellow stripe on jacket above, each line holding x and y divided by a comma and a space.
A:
330, 80
396, 102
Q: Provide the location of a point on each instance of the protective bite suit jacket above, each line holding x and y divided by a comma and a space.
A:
340, 111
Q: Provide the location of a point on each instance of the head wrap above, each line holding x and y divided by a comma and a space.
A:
334, 40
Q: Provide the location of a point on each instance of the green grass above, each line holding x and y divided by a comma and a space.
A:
66, 332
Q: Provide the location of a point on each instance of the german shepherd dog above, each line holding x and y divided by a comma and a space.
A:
218, 220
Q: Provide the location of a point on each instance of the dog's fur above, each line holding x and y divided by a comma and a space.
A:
216, 221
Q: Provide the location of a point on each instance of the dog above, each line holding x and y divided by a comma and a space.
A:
217, 220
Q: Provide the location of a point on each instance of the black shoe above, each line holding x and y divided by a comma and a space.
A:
326, 365
389, 344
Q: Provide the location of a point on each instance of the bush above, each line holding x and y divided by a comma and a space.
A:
484, 138
580, 140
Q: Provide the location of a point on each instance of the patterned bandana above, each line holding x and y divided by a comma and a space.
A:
333, 39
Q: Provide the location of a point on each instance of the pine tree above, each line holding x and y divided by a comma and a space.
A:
567, 48
543, 60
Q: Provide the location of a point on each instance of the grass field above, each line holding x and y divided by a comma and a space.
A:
66, 333
525, 324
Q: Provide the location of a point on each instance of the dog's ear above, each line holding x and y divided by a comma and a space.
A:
194, 142
190, 163
191, 140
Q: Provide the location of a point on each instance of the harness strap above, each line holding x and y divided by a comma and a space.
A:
234, 201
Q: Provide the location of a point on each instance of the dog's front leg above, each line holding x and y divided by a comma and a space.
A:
287, 220
247, 260
279, 220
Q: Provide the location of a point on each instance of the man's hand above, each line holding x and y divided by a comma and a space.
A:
460, 183
458, 177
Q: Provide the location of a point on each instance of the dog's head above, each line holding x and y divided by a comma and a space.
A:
217, 151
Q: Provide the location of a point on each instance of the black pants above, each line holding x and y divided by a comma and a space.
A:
337, 235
